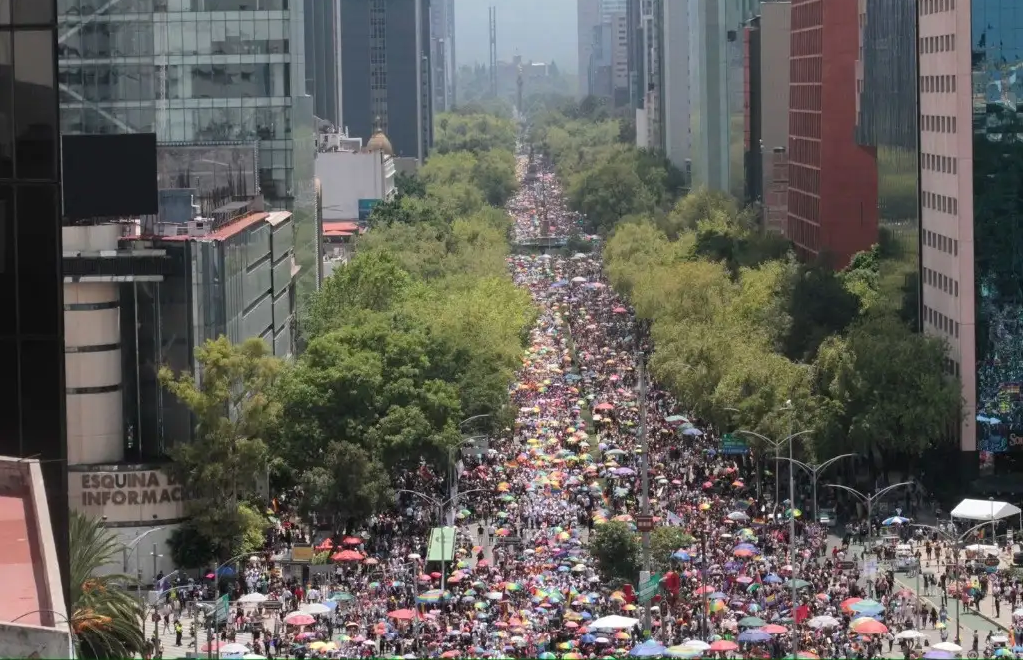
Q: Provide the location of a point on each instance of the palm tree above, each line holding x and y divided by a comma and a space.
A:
105, 615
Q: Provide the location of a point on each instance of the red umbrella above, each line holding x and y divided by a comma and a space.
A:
352, 540
773, 629
347, 555
723, 646
327, 544
402, 615
603, 406
620, 310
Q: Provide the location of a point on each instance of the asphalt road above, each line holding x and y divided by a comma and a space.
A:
969, 621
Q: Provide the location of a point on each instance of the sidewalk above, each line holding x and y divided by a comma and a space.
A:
188, 644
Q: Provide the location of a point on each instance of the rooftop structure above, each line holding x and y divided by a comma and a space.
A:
33, 615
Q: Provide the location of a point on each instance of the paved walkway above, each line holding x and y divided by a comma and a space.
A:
969, 620
188, 644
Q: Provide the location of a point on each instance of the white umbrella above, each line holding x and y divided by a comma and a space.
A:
823, 621
613, 622
578, 280
252, 598
698, 644
315, 608
910, 634
980, 547
946, 646
233, 649
737, 515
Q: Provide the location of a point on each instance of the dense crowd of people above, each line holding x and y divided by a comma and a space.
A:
522, 582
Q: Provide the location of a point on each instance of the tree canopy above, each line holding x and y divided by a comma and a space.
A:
232, 402
421, 329
607, 178
738, 324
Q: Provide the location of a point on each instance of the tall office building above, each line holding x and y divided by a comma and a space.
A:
888, 111
385, 72
971, 164
832, 189
199, 72
588, 14
716, 96
674, 88
322, 58
650, 70
442, 54
31, 339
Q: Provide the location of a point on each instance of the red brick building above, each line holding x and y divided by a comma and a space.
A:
832, 186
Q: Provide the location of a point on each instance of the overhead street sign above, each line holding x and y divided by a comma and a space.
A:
645, 523
648, 589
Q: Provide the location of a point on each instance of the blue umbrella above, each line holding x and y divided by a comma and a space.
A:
717, 595
772, 579
588, 638
753, 636
681, 555
895, 520
693, 431
648, 649
746, 546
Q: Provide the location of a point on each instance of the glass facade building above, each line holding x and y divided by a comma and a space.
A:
997, 70
717, 93
887, 120
198, 71
31, 289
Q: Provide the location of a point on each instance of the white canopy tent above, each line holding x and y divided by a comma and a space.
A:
984, 510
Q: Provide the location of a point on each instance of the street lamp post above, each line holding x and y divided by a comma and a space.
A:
126, 551
216, 598
815, 472
441, 506
776, 444
870, 499
792, 516
957, 542
645, 480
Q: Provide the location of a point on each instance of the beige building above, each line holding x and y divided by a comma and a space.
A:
946, 182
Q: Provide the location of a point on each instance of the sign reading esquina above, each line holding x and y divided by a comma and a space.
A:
129, 488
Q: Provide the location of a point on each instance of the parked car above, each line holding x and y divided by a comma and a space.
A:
827, 517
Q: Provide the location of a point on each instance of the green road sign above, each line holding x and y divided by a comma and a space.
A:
648, 589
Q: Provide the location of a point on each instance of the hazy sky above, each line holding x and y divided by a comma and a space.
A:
539, 30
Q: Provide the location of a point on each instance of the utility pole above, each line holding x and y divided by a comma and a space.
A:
645, 467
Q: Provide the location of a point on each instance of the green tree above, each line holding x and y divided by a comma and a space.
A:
233, 407
617, 551
371, 281
103, 611
663, 542
349, 485
885, 390
190, 548
821, 305
608, 193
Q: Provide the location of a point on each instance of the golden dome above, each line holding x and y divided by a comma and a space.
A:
379, 141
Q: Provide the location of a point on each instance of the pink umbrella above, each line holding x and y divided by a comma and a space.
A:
299, 619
